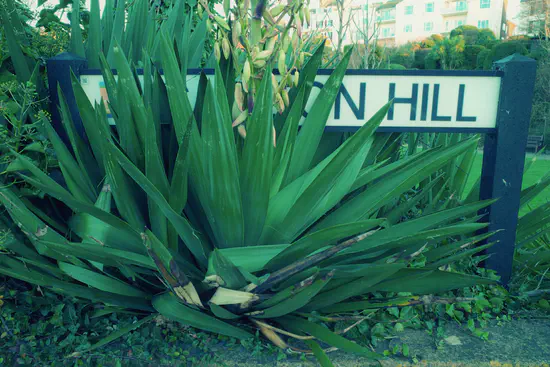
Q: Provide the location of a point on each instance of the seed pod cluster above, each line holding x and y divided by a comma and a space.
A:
217, 52
270, 44
274, 83
246, 71
241, 118
280, 104
236, 33
242, 131
286, 99
226, 47
277, 43
282, 62
239, 95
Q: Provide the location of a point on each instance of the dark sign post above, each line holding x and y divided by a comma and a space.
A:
496, 103
504, 158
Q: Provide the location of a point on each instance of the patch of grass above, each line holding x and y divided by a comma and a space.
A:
535, 173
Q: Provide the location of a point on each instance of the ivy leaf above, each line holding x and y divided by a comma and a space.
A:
405, 350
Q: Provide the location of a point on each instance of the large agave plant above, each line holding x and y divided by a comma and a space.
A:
532, 257
225, 233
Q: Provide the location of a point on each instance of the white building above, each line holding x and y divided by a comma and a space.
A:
396, 22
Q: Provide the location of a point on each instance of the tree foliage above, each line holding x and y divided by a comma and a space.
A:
447, 54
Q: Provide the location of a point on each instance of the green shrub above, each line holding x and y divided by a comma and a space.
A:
474, 36
396, 67
23, 96
420, 58
403, 55
485, 38
489, 45
481, 57
503, 50
469, 32
471, 53
431, 62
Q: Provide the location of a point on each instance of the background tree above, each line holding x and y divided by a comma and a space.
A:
540, 118
370, 55
534, 18
345, 13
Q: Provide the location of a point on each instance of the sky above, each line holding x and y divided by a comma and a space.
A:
513, 9
513, 6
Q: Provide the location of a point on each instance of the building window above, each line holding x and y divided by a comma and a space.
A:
482, 24
408, 28
409, 9
461, 5
458, 23
330, 35
320, 24
387, 15
387, 32
447, 25
485, 4
428, 26
312, 11
429, 7
330, 23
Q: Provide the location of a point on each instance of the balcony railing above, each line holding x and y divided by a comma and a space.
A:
386, 19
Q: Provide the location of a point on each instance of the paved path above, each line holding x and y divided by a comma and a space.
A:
516, 343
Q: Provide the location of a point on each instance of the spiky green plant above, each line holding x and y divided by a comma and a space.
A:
136, 28
221, 232
229, 234
532, 256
